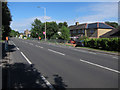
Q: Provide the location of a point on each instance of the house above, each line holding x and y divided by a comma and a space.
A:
113, 33
91, 30
27, 33
21, 36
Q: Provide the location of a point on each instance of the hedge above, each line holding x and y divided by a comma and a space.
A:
112, 44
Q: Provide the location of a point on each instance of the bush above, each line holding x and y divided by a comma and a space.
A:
103, 43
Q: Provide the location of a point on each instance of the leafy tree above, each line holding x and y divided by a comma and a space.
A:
65, 24
65, 33
6, 18
60, 25
113, 24
51, 29
36, 29
14, 33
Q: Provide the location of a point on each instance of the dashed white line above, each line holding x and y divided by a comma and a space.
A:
99, 66
56, 52
92, 52
115, 57
26, 58
40, 47
30, 43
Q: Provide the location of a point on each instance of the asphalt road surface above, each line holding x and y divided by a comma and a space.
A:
67, 67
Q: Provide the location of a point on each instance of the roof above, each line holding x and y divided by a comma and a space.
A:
113, 33
80, 26
96, 25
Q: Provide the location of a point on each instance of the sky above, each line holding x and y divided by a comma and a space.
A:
24, 13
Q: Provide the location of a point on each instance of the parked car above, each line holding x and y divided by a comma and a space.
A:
80, 43
71, 41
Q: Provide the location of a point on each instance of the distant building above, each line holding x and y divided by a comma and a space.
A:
21, 36
91, 30
27, 33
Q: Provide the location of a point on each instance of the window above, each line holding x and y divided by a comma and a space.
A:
91, 31
74, 31
79, 31
83, 31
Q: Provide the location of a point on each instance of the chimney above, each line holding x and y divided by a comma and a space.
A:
77, 23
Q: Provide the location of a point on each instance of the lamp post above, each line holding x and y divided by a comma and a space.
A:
44, 18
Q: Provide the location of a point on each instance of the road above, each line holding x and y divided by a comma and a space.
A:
0, 65
67, 67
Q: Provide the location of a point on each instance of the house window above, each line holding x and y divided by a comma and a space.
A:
91, 31
74, 31
83, 31
79, 31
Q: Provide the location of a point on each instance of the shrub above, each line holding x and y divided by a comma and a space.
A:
103, 43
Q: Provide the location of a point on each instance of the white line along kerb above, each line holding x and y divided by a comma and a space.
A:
47, 83
17, 48
56, 52
26, 58
99, 66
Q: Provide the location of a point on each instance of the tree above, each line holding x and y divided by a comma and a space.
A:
14, 33
51, 29
37, 30
65, 24
65, 33
60, 25
6, 18
113, 24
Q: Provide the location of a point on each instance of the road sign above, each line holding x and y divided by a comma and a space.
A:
44, 33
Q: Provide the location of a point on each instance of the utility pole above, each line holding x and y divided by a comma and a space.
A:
44, 18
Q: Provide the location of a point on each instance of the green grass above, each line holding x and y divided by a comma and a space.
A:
1, 40
99, 49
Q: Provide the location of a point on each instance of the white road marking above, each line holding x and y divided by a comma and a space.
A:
36, 45
1, 65
26, 58
30, 43
99, 66
17, 48
56, 52
40, 47
115, 57
14, 44
47, 83
92, 52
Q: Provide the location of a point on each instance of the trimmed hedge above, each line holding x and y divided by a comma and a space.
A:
112, 44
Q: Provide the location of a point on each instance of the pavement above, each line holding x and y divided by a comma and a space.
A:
60, 66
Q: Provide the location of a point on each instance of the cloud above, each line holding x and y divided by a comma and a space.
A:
23, 24
100, 12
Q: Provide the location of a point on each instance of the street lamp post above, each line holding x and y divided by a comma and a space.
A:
44, 18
